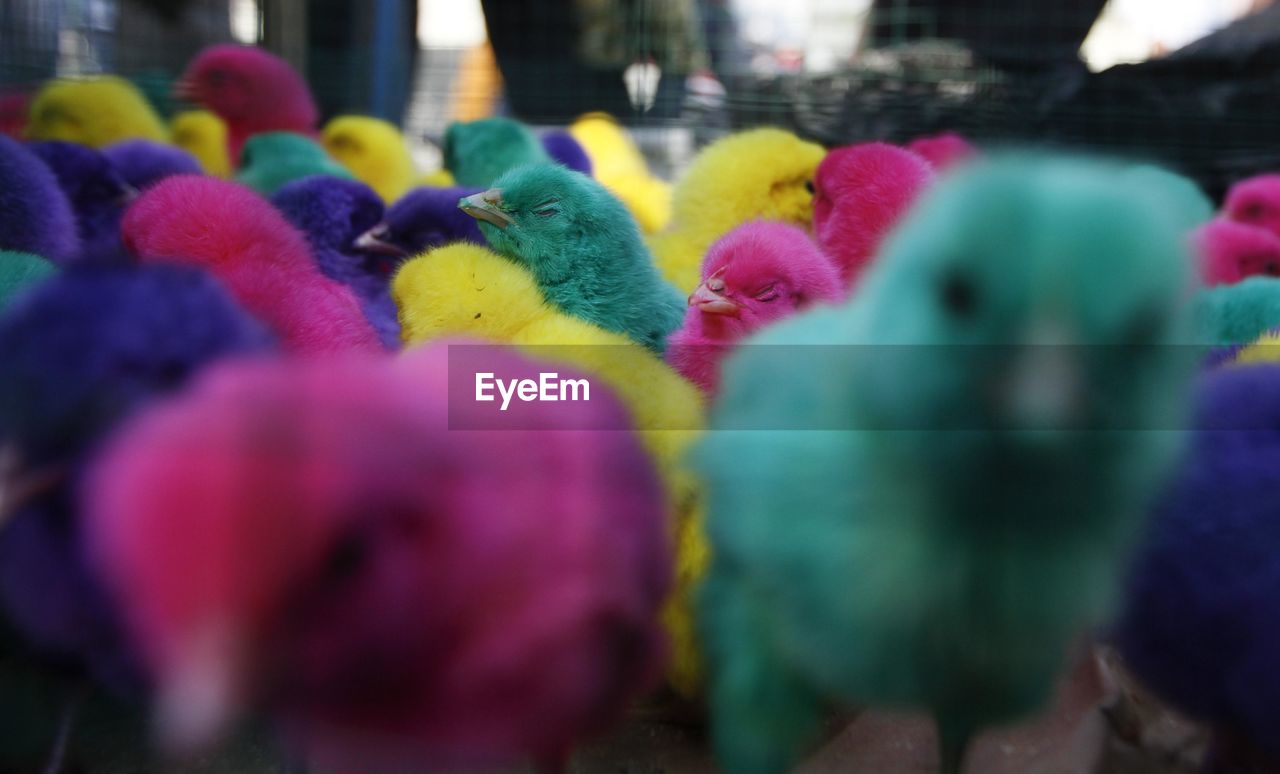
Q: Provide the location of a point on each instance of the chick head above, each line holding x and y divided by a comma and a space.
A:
94, 111
374, 150
463, 289
244, 83
1256, 201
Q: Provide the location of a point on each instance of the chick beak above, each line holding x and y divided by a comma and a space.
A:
127, 194
374, 241
486, 206
1043, 390
198, 696
709, 297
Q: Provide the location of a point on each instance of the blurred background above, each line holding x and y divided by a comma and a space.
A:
1189, 82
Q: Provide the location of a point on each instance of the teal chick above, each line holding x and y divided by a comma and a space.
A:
19, 271
583, 248
271, 160
1237, 314
479, 152
906, 515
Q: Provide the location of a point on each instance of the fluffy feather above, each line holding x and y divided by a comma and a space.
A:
1198, 624
246, 243
202, 134
907, 515
98, 194
374, 151
251, 90
582, 247
333, 214
271, 160
423, 219
143, 162
617, 163
79, 353
465, 290
479, 152
720, 190
318, 541
1239, 313
1231, 251
566, 151
755, 275
943, 151
860, 194
95, 111
20, 271
35, 215
1255, 201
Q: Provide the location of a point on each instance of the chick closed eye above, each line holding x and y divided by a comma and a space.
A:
766, 294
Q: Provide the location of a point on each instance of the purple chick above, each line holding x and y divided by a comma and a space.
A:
35, 215
333, 213
143, 162
422, 219
78, 354
566, 151
1199, 624
98, 194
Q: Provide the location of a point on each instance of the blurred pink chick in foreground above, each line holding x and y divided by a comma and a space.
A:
245, 242
861, 191
944, 150
757, 274
251, 90
1231, 251
319, 541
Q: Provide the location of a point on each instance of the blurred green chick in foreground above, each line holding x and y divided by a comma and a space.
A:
908, 514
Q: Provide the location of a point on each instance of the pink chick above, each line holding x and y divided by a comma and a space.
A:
324, 542
1231, 251
244, 241
757, 274
251, 90
1255, 201
944, 150
861, 191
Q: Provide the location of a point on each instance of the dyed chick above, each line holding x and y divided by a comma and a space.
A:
143, 162
1237, 314
1255, 201
423, 219
466, 290
251, 90
79, 353
322, 542
566, 151
721, 190
943, 151
616, 161
860, 194
871, 525
374, 151
1231, 251
1198, 625
582, 247
479, 152
202, 134
272, 160
333, 214
755, 275
264, 262
20, 271
35, 215
97, 111
1182, 195
98, 194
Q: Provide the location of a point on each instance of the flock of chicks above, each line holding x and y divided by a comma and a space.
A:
955, 445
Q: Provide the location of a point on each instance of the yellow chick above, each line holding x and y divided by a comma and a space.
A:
619, 166
202, 134
95, 111
375, 152
441, 178
764, 174
464, 289
1265, 350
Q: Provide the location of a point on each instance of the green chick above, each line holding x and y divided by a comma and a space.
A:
478, 152
583, 248
19, 271
920, 498
1239, 313
270, 160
